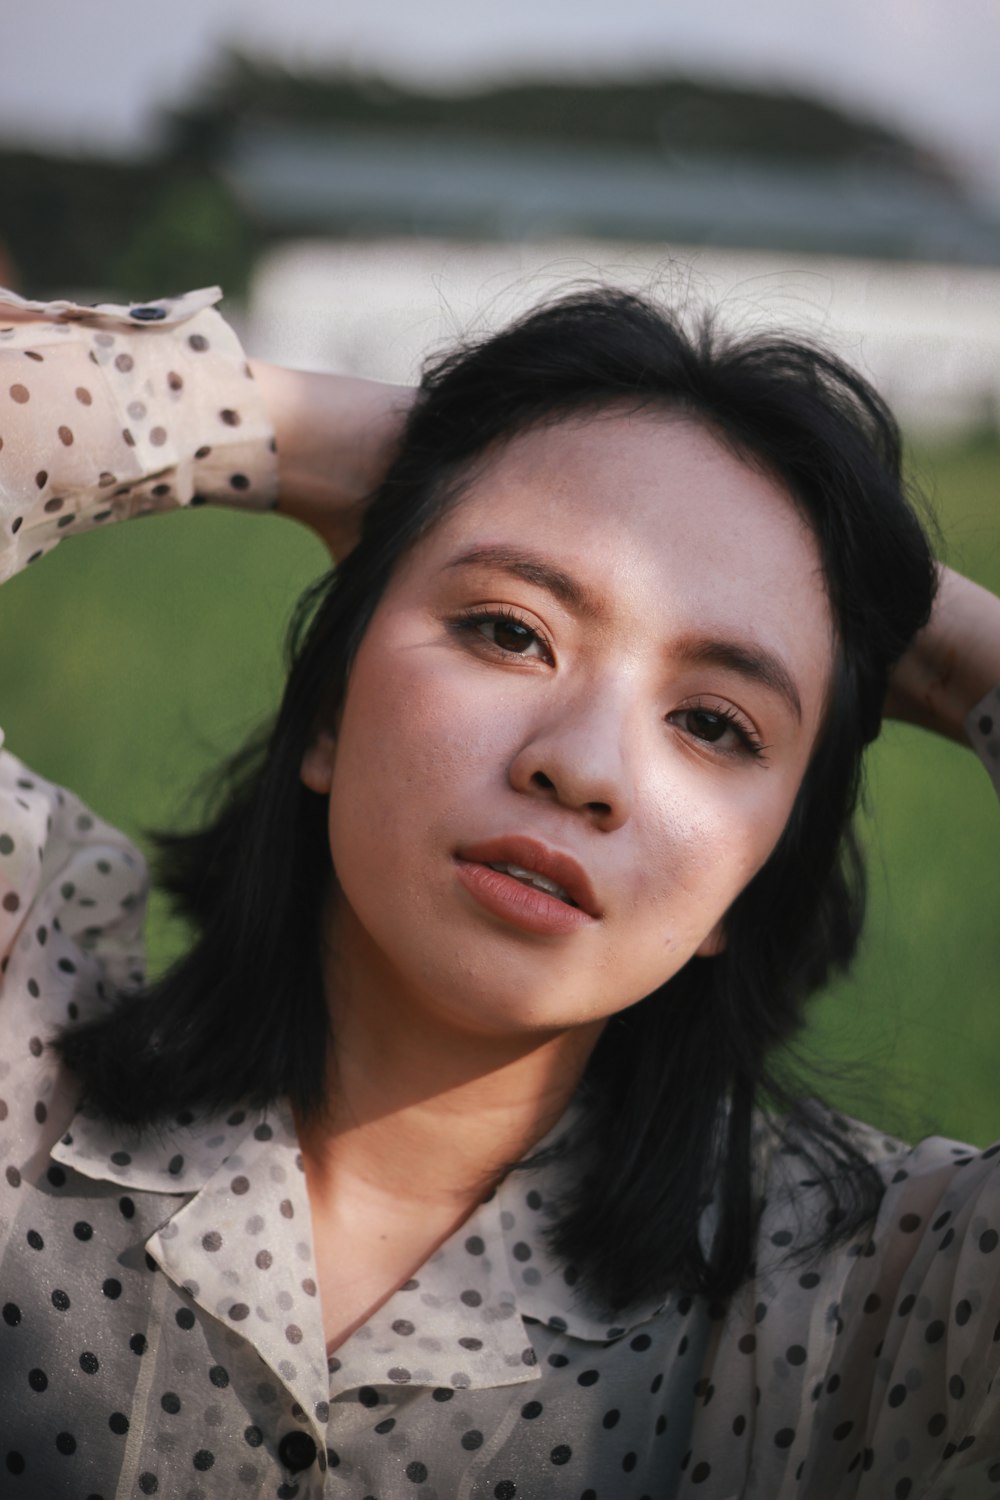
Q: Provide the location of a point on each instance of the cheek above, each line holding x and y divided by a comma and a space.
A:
415, 741
707, 835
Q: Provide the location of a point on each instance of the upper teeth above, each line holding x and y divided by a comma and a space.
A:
532, 877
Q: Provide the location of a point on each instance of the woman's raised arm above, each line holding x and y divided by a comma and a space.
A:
335, 435
952, 664
108, 412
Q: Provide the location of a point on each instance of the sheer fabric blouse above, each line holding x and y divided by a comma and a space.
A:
160, 1331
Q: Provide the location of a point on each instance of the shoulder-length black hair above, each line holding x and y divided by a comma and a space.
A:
674, 1081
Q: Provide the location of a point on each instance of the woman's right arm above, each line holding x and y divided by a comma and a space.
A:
336, 435
109, 412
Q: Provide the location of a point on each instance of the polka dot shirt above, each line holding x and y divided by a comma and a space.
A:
160, 1330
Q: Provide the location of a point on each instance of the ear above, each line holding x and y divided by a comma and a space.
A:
316, 771
714, 944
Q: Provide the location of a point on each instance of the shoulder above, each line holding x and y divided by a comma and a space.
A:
893, 1333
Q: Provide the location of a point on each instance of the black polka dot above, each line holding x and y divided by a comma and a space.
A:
148, 1483
505, 1490
784, 1438
112, 1288
137, 1343
60, 1300
38, 1380
66, 1443
472, 1439
82, 1230
561, 1454
368, 1396
11, 1314
611, 1418
416, 1472
219, 1376
118, 1422
203, 1459
530, 1410
89, 1363
988, 1241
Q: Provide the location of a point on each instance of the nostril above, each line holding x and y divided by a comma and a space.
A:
602, 809
541, 780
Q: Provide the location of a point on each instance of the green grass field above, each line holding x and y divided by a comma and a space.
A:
133, 659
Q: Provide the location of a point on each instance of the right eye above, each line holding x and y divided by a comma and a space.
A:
507, 632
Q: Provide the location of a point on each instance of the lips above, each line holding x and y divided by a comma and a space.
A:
527, 857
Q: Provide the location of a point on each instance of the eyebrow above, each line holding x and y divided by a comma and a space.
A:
531, 568
752, 661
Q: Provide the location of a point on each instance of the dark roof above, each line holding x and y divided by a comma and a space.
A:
346, 180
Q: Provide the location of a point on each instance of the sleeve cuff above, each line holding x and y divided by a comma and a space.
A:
983, 729
108, 412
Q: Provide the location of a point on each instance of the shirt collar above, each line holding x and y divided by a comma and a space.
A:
464, 1320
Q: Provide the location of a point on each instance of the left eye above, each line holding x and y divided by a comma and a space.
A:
715, 728
707, 726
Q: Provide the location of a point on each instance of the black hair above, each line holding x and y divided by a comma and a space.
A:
673, 1086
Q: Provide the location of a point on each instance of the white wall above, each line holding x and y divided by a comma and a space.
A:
929, 336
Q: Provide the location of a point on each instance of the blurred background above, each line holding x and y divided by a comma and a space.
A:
371, 180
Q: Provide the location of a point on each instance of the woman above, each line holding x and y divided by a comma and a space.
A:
447, 1175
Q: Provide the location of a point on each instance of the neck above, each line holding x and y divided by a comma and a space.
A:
422, 1111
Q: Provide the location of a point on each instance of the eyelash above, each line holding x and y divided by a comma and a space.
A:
750, 742
471, 622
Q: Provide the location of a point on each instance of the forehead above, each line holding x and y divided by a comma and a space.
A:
649, 485
668, 526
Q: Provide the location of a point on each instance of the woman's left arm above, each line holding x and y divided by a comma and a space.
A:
952, 663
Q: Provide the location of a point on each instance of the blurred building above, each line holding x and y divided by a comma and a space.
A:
361, 222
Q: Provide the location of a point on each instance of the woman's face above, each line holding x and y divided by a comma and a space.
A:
575, 727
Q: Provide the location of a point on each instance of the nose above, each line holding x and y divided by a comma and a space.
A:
577, 757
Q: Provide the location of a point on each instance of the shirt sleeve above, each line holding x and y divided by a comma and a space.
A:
108, 412
105, 413
983, 728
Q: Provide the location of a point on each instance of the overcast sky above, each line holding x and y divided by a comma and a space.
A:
92, 73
